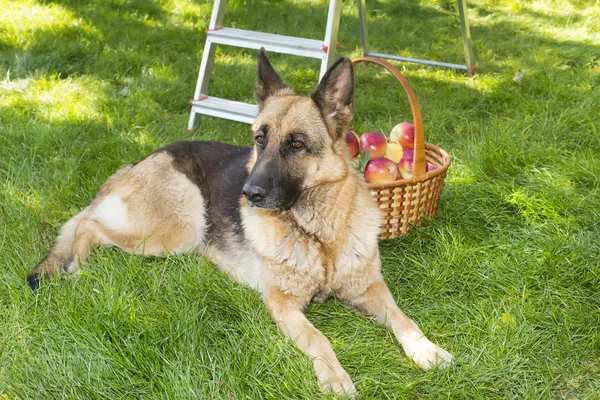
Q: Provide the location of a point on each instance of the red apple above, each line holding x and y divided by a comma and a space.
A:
404, 135
375, 142
405, 166
408, 152
352, 142
381, 170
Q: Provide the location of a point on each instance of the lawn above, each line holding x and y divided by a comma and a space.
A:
507, 277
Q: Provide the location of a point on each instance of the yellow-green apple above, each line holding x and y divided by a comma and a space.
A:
393, 152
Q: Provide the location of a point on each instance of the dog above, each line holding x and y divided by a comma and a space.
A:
290, 217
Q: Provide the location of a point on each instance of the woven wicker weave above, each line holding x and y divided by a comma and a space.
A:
405, 202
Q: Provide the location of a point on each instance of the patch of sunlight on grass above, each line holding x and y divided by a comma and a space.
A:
461, 173
27, 198
17, 85
160, 72
566, 9
552, 179
143, 138
482, 83
570, 23
190, 11
27, 20
234, 58
581, 33
56, 100
533, 207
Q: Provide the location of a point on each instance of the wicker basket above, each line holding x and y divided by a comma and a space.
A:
405, 202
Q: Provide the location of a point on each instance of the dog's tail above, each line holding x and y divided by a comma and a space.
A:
60, 255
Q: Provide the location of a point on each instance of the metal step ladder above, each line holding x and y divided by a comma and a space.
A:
216, 34
468, 67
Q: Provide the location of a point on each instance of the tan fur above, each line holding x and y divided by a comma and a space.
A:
164, 212
325, 244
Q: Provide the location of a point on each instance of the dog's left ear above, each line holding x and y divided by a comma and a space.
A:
335, 94
268, 82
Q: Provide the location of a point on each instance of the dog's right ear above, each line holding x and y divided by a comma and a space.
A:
269, 82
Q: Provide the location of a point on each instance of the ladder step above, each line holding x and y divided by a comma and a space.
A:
223, 108
271, 42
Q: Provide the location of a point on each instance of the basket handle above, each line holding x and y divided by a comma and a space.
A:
419, 157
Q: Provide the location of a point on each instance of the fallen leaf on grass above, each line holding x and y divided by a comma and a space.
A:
508, 320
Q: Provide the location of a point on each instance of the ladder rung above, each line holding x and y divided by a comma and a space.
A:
227, 109
271, 42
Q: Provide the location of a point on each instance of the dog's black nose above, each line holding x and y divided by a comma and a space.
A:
253, 193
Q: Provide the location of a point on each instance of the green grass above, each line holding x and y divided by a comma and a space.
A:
507, 277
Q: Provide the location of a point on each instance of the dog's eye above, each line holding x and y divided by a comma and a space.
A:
259, 139
296, 145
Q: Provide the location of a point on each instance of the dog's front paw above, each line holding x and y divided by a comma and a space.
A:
428, 355
340, 383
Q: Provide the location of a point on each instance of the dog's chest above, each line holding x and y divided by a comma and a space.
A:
299, 266
308, 269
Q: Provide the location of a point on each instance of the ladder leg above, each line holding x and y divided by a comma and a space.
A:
362, 20
333, 24
466, 34
193, 122
208, 58
216, 18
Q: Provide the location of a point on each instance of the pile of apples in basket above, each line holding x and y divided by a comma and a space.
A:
381, 160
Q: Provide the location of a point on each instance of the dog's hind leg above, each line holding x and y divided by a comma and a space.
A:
150, 208
378, 301
60, 255
88, 235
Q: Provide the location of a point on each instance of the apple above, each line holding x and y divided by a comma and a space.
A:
405, 166
404, 135
394, 152
352, 142
375, 142
408, 152
381, 170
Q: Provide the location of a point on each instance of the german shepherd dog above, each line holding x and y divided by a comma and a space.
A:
290, 217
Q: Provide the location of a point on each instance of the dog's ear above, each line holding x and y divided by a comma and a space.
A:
335, 94
268, 82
